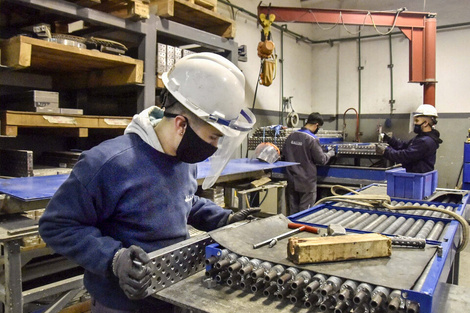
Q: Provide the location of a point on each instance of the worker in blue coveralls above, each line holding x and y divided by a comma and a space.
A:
417, 155
136, 193
304, 147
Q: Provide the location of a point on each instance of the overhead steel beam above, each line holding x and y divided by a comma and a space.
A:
418, 27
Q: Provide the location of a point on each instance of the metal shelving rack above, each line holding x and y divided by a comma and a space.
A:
144, 33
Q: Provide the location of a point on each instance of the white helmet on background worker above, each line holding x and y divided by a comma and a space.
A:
267, 152
427, 110
213, 88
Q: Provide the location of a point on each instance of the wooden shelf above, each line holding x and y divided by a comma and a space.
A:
77, 125
191, 14
71, 67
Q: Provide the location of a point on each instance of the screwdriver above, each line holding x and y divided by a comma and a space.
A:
298, 228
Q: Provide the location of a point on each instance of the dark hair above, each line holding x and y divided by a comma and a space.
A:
315, 118
173, 106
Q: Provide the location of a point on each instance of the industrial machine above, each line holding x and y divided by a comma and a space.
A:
355, 164
238, 277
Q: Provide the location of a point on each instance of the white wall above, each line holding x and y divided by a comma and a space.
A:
297, 59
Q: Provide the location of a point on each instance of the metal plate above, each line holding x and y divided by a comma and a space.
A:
177, 262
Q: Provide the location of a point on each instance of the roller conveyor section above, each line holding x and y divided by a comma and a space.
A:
406, 281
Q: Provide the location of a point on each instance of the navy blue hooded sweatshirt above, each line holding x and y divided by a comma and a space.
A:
120, 193
417, 155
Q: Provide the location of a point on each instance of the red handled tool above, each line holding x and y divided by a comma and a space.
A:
297, 229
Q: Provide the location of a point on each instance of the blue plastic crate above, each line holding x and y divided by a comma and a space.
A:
401, 184
466, 173
466, 153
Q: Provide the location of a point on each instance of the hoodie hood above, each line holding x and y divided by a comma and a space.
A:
434, 134
143, 125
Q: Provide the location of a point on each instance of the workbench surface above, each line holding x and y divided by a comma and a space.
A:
44, 187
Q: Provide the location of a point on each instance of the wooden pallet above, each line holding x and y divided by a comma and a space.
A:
74, 125
71, 67
197, 16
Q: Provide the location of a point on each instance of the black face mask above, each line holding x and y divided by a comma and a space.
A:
417, 129
192, 149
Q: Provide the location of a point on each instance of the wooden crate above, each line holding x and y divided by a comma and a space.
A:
71, 67
338, 248
191, 14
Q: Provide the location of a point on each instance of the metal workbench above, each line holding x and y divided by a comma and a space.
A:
419, 275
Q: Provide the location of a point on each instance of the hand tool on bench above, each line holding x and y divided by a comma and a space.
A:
297, 228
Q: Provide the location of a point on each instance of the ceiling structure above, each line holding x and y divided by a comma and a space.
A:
449, 13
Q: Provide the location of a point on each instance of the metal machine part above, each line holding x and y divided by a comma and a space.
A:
174, 263
313, 290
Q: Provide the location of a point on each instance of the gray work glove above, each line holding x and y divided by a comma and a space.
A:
129, 265
380, 149
242, 215
385, 138
331, 152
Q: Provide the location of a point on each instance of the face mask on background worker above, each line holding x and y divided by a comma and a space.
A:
212, 88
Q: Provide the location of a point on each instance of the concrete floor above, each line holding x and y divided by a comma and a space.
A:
464, 268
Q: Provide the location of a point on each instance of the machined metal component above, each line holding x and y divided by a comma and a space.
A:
227, 261
395, 301
289, 273
262, 269
252, 265
343, 306
301, 279
312, 299
331, 285
274, 272
297, 295
271, 289
363, 293
317, 281
379, 297
238, 264
347, 290
327, 303
412, 307
260, 284
409, 242
174, 263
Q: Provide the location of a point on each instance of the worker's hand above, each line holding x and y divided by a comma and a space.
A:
331, 151
242, 215
380, 149
129, 265
385, 138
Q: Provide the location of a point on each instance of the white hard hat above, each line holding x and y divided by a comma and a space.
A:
267, 152
211, 87
425, 110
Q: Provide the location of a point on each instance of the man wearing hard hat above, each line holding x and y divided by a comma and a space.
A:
417, 155
136, 193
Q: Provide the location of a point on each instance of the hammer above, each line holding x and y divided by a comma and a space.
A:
297, 229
